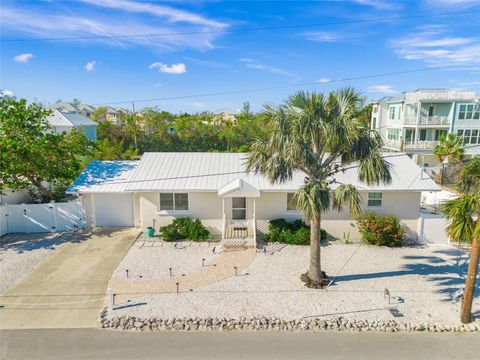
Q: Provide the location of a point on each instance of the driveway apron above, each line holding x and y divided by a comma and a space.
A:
67, 290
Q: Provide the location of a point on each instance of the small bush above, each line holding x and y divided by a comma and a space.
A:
293, 233
184, 228
381, 230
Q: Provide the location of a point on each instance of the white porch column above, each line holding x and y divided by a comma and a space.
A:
223, 219
254, 224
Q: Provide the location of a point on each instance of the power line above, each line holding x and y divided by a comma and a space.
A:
233, 92
245, 29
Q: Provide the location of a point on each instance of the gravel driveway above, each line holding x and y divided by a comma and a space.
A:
21, 253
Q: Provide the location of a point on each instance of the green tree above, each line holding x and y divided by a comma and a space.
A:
105, 150
100, 114
317, 135
463, 227
449, 149
30, 155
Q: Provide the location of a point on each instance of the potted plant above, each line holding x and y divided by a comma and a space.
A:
150, 231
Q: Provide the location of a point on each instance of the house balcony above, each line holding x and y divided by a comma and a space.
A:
428, 120
411, 145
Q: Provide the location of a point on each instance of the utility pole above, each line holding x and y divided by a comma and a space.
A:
466, 315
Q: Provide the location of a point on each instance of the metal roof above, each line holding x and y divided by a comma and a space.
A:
104, 176
212, 171
58, 118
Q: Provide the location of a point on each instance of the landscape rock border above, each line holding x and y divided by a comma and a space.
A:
132, 323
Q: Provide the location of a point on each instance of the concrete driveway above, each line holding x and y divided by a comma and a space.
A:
67, 290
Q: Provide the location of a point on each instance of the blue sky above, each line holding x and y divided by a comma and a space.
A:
212, 60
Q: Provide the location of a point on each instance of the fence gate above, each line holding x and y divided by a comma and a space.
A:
29, 218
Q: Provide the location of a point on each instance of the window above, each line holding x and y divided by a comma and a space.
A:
392, 112
469, 112
291, 202
374, 199
423, 135
461, 112
173, 202
239, 208
374, 123
439, 134
431, 109
470, 136
393, 134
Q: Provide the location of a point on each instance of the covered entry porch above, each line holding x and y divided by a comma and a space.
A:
239, 221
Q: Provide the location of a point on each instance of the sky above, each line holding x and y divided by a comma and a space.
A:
112, 51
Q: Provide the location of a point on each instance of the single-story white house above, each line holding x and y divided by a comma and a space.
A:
215, 188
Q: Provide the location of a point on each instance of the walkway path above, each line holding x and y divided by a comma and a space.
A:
73, 278
222, 268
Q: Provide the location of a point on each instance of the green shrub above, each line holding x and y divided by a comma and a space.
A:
382, 230
293, 233
184, 228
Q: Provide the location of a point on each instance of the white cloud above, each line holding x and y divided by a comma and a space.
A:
379, 4
172, 14
254, 64
452, 3
90, 66
133, 18
179, 68
23, 58
433, 45
320, 36
383, 89
324, 80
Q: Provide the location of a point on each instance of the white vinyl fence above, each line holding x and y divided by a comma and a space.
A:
30, 218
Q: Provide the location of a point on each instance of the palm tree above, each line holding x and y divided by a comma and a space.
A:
449, 149
317, 134
463, 227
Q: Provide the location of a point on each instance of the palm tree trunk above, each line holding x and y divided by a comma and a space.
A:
471, 279
315, 271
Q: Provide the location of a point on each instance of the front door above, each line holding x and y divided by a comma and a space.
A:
239, 210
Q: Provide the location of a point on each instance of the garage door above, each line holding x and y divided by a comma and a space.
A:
114, 209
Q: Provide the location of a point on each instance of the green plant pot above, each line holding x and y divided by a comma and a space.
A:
150, 231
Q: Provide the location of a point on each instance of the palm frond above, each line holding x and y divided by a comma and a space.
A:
347, 194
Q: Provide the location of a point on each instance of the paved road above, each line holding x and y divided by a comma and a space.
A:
74, 278
103, 344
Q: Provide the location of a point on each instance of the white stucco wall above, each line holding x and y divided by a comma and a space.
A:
273, 205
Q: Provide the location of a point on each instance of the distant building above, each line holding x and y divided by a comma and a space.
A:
414, 121
112, 115
66, 121
70, 107
226, 115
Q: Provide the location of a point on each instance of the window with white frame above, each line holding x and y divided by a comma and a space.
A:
469, 112
375, 199
393, 134
174, 202
391, 112
291, 202
470, 136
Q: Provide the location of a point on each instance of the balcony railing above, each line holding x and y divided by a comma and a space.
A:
411, 145
428, 120
439, 96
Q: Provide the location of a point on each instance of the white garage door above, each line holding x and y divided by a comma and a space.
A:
114, 209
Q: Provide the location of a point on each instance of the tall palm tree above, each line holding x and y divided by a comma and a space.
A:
317, 134
463, 227
449, 149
